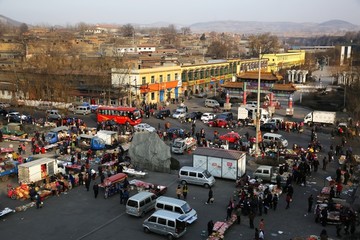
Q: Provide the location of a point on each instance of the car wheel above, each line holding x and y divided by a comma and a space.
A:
206, 185
146, 230
183, 182
170, 237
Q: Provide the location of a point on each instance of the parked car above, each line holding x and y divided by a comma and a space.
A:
193, 115
179, 113
268, 127
231, 137
218, 123
3, 112
15, 117
162, 114
207, 117
144, 127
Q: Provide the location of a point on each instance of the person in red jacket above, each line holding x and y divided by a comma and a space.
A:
339, 189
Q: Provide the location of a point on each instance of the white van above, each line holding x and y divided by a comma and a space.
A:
178, 206
211, 103
53, 115
84, 110
140, 203
166, 223
197, 176
274, 138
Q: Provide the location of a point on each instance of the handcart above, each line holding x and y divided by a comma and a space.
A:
139, 185
113, 184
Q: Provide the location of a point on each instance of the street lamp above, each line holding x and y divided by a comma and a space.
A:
257, 150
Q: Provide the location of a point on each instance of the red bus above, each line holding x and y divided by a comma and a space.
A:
121, 115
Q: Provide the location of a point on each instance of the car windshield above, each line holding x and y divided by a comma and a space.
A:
186, 208
207, 174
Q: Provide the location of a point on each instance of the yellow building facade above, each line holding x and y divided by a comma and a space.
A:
160, 84
287, 60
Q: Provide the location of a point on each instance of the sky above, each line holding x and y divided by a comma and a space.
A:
181, 12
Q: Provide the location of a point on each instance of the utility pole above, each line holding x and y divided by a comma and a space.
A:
257, 150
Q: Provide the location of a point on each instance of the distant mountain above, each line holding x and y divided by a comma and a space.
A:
253, 27
333, 27
9, 21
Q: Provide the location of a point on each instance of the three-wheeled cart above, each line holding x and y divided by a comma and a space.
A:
139, 185
113, 184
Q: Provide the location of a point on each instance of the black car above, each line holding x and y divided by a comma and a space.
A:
3, 112
164, 113
193, 115
268, 127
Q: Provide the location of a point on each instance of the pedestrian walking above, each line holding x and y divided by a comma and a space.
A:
275, 201
261, 235
324, 163
185, 191
256, 234
178, 191
261, 225
210, 196
96, 189
87, 182
310, 202
210, 227
125, 196
121, 193
38, 201
251, 219
288, 200
238, 214
228, 212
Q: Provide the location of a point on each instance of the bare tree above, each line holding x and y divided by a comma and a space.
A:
185, 30
127, 30
169, 34
268, 43
218, 49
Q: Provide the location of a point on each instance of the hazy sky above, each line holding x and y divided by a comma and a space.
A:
186, 12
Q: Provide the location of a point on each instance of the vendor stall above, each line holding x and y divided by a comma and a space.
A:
113, 184
139, 185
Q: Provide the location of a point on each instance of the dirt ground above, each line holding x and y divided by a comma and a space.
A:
333, 101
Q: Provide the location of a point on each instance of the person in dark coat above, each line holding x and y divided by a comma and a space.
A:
125, 196
87, 181
310, 202
210, 196
96, 189
210, 227
38, 201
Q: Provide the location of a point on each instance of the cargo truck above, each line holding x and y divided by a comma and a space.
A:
182, 145
322, 117
39, 169
110, 138
229, 164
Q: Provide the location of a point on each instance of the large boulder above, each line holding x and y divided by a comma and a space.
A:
148, 152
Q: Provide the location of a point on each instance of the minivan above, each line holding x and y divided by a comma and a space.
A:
211, 103
166, 223
53, 114
140, 203
178, 206
264, 172
197, 176
274, 138
84, 110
